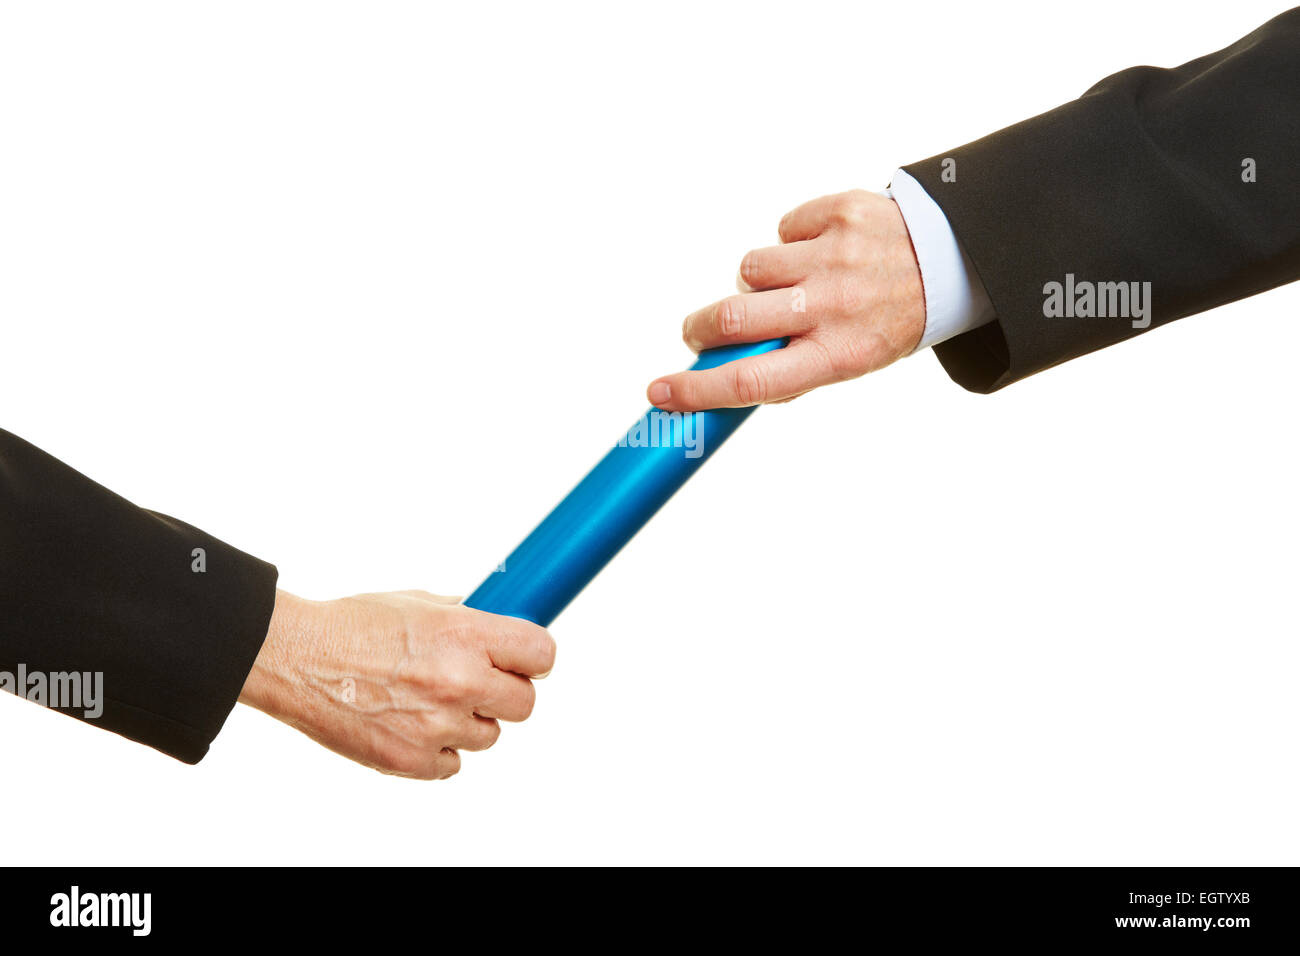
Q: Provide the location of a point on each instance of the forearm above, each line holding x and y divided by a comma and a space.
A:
1182, 180
171, 617
274, 685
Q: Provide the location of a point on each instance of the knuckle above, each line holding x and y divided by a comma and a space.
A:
730, 316
446, 765
404, 761
546, 649
749, 384
456, 685
751, 268
849, 208
432, 728
527, 701
840, 211
454, 627
685, 392
850, 251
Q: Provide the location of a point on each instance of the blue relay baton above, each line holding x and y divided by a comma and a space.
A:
608, 507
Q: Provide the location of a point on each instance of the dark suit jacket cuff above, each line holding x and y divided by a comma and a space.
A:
91, 583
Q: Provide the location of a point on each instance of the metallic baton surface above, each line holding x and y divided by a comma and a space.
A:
591, 525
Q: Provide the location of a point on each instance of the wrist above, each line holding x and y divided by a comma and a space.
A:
913, 308
954, 297
271, 685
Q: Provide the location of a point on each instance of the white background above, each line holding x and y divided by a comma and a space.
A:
365, 288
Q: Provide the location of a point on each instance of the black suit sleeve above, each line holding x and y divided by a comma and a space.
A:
1139, 180
91, 583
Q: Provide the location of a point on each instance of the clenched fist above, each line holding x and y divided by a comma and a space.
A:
400, 682
844, 285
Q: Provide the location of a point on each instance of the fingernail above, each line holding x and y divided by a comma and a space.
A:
660, 393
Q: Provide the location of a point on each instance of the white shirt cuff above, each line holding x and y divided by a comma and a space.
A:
955, 299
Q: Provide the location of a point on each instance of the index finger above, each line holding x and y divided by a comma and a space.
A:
771, 377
